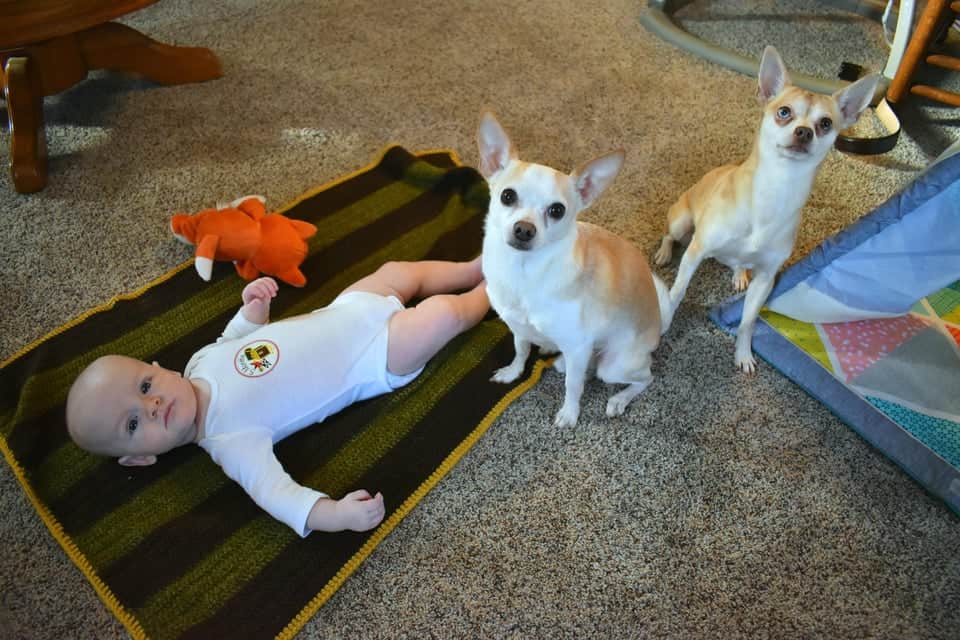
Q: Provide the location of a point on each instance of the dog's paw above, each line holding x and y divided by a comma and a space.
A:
507, 374
663, 255
741, 280
567, 416
616, 405
746, 362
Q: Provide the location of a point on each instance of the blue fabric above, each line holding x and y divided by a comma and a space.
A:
941, 436
904, 261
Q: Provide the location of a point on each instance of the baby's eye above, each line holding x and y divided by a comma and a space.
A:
783, 113
145, 387
132, 425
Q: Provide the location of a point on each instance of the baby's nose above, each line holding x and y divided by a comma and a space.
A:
153, 405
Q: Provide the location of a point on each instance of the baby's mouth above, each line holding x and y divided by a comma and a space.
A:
166, 415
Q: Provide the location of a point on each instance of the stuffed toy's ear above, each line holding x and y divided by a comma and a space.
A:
253, 206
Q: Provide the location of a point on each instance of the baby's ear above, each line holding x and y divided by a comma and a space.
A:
137, 461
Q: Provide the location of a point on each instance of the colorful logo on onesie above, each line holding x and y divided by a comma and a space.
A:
256, 359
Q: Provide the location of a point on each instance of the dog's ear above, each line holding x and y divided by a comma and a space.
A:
494, 144
595, 176
773, 76
854, 98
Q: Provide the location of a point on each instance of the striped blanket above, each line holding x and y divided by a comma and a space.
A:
177, 550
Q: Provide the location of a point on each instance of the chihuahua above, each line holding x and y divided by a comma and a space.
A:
562, 284
746, 215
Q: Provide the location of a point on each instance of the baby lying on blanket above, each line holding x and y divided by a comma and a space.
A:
261, 381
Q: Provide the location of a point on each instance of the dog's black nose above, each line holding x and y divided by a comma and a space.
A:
524, 231
803, 134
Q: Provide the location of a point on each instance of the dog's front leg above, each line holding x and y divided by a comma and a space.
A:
575, 365
757, 293
691, 259
513, 370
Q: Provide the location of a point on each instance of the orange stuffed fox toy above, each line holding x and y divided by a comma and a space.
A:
256, 241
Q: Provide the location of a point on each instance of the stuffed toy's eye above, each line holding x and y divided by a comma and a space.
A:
508, 197
556, 210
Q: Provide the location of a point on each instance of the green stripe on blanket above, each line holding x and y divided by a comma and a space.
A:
177, 550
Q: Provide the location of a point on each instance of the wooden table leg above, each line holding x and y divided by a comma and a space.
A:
52, 66
118, 47
28, 144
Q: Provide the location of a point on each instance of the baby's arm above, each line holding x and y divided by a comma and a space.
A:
247, 456
255, 311
356, 511
256, 298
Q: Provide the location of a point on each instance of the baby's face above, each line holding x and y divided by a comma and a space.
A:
126, 407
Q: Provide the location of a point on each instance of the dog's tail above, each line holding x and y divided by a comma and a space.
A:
663, 298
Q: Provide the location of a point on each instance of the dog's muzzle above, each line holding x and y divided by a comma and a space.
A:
523, 233
802, 137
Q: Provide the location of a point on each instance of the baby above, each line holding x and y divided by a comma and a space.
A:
300, 370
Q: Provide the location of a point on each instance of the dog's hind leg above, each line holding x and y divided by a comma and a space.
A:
633, 367
679, 227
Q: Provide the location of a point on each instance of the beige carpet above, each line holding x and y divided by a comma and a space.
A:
718, 507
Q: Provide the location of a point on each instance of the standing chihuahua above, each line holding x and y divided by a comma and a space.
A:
746, 216
566, 285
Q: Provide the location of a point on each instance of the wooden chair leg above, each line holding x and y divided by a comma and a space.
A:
916, 49
28, 144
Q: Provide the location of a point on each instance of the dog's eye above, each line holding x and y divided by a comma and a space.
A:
556, 210
825, 124
508, 196
783, 113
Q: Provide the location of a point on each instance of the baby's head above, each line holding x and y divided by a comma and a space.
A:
135, 411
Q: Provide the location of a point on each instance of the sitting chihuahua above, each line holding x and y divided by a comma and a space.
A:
566, 285
746, 215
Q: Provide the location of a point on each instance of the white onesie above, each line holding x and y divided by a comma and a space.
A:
268, 381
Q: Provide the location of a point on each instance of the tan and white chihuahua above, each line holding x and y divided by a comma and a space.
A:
747, 215
562, 284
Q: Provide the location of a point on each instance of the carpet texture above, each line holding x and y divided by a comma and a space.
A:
718, 506
177, 550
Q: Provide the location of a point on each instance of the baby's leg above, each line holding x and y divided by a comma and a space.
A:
410, 280
418, 333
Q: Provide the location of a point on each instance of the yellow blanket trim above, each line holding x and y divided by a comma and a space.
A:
56, 529
74, 553
388, 525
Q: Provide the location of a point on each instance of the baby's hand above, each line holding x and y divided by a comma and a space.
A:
360, 512
256, 298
